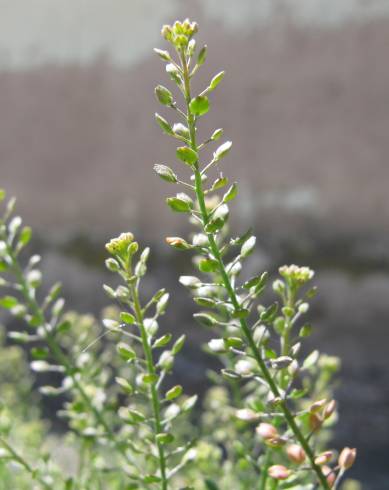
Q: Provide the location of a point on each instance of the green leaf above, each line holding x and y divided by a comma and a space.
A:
174, 392
164, 438
178, 344
163, 95
248, 247
164, 125
8, 302
125, 351
127, 318
216, 80
199, 105
125, 385
39, 352
231, 193
202, 55
305, 331
222, 151
217, 134
257, 281
269, 314
166, 173
179, 205
219, 183
205, 319
208, 265
214, 225
164, 55
162, 341
187, 155
151, 479
189, 403
25, 236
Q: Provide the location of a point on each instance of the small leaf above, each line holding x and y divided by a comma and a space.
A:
163, 95
187, 155
125, 385
248, 246
305, 331
178, 344
208, 265
219, 183
125, 351
231, 193
202, 55
8, 302
166, 173
164, 438
174, 392
189, 403
179, 205
25, 236
162, 341
127, 317
216, 80
205, 319
199, 105
164, 125
222, 151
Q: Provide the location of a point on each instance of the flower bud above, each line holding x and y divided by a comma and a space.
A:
217, 345
266, 431
177, 242
296, 453
330, 409
347, 458
324, 458
247, 415
278, 472
317, 406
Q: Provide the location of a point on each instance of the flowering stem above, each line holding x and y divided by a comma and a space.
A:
156, 406
229, 288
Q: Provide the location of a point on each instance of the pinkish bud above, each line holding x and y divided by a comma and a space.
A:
329, 474
330, 409
177, 242
324, 458
266, 431
295, 453
278, 472
347, 458
317, 406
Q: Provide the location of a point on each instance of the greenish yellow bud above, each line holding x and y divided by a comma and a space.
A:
119, 245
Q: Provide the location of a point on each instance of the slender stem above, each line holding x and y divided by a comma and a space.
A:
156, 406
265, 466
17, 457
231, 292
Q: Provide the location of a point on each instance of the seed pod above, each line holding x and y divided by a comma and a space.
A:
266, 431
347, 458
317, 406
330, 409
324, 458
296, 453
279, 472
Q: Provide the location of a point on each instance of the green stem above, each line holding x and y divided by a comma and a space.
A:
156, 406
17, 457
231, 292
265, 466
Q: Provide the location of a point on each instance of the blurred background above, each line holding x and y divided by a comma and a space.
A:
306, 104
